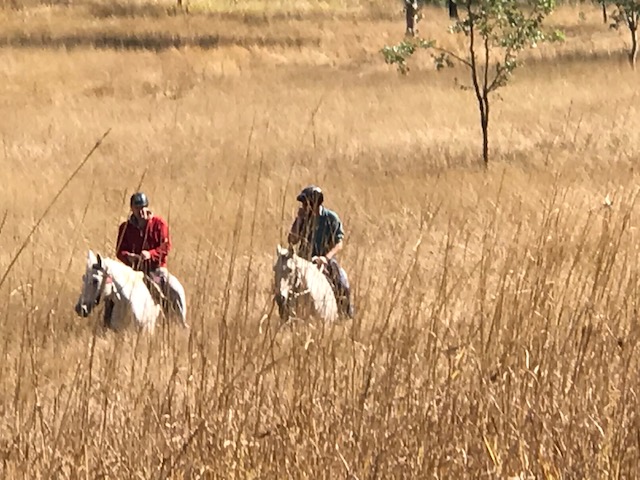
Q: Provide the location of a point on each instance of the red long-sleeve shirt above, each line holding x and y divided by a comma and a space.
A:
154, 238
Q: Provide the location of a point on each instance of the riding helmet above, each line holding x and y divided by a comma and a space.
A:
311, 194
139, 199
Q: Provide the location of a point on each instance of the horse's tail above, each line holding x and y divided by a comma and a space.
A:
181, 301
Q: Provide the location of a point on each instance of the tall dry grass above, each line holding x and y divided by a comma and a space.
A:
497, 311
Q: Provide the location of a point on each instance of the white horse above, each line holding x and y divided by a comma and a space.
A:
302, 289
110, 279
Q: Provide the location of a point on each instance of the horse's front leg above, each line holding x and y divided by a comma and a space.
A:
148, 322
108, 313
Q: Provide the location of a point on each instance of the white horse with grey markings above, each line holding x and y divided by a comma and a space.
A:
109, 279
302, 290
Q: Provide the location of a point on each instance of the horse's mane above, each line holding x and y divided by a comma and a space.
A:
130, 282
115, 265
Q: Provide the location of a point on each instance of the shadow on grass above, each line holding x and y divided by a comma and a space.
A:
154, 41
563, 59
255, 18
119, 9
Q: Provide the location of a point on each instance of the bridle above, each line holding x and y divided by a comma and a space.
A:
296, 284
106, 280
295, 290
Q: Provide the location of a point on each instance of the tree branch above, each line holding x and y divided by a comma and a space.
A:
453, 55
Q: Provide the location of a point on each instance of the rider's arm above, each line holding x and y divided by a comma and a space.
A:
296, 228
293, 238
165, 246
122, 246
337, 232
334, 251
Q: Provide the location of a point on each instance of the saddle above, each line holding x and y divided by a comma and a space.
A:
331, 277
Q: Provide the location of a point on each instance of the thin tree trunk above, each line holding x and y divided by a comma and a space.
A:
604, 11
453, 9
634, 46
480, 92
484, 120
485, 102
411, 12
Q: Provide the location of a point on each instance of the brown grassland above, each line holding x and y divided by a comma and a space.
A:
497, 311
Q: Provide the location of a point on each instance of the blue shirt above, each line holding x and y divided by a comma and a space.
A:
319, 234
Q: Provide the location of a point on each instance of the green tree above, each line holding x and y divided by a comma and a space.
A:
627, 12
496, 32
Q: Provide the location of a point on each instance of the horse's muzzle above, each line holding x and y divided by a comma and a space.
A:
82, 310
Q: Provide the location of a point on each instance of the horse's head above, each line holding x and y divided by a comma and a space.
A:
93, 285
285, 278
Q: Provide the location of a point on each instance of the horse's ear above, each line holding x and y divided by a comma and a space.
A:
99, 260
91, 258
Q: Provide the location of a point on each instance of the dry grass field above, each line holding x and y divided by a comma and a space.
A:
497, 327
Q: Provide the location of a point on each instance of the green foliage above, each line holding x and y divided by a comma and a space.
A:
627, 12
496, 32
506, 27
400, 53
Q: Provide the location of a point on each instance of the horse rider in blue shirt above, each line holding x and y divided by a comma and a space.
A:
319, 233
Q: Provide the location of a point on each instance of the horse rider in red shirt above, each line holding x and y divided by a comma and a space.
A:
143, 240
144, 244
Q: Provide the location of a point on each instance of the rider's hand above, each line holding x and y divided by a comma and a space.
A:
145, 255
302, 213
320, 261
